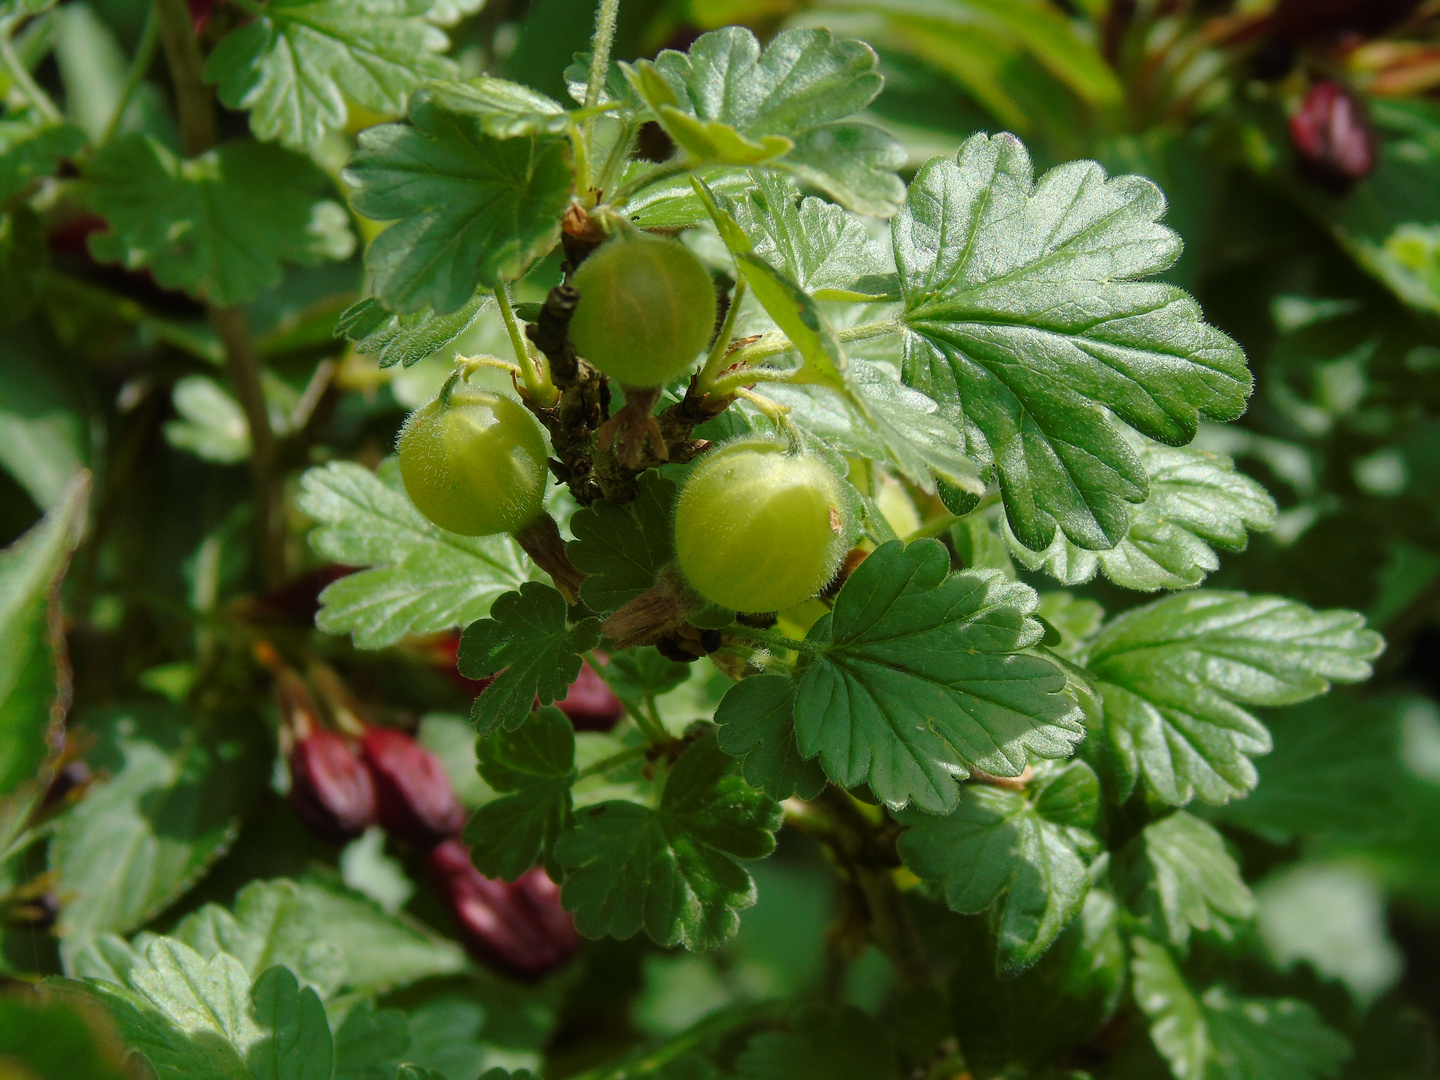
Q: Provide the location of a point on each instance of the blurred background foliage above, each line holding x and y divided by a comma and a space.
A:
1329, 278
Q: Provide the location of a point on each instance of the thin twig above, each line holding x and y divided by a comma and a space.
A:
139, 65
192, 97
20, 74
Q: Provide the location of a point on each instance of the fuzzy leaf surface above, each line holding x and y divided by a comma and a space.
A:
1029, 856
421, 578
918, 675
469, 209
404, 339
1028, 318
727, 102
220, 226
533, 767
674, 871
526, 645
1198, 502
299, 65
1174, 677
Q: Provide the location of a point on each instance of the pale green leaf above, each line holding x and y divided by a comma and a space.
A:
423, 579
1187, 878
1174, 677
32, 702
300, 65
1029, 319
404, 339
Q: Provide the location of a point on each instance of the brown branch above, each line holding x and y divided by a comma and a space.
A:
196, 108
541, 540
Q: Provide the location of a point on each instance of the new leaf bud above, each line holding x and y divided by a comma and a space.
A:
413, 795
330, 788
518, 926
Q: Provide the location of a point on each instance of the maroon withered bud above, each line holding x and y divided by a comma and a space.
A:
330, 788
413, 796
518, 926
589, 703
1333, 138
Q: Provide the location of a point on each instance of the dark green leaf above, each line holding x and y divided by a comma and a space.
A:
725, 101
1027, 316
469, 209
1196, 500
673, 871
369, 1042
1331, 775
24, 261
219, 226
999, 846
297, 1045
1269, 1039
623, 548
424, 578
822, 1045
526, 645
636, 674
300, 64
31, 642
404, 339
757, 724
1028, 1019
31, 152
533, 766
1187, 879
919, 675
1174, 674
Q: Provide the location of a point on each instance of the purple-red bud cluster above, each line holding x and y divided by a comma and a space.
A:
518, 926
1332, 137
414, 800
589, 703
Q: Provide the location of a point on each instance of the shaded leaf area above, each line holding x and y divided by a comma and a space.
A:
1174, 677
822, 1044
49, 1034
300, 65
220, 226
469, 209
727, 102
1024, 1020
422, 578
530, 650
624, 548
533, 767
1218, 1036
1028, 320
1024, 854
1197, 503
919, 675
404, 339
169, 808
30, 152
675, 870
31, 642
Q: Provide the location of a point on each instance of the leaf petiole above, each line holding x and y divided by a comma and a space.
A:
614, 761
20, 75
537, 382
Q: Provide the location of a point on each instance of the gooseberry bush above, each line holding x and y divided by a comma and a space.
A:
821, 533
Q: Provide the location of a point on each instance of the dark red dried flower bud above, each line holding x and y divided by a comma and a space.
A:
517, 926
330, 788
413, 794
1333, 137
589, 703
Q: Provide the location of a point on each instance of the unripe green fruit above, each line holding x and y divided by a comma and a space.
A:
474, 463
758, 528
647, 307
